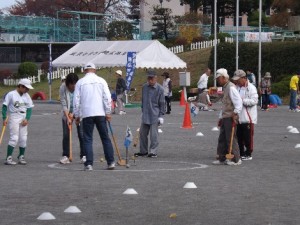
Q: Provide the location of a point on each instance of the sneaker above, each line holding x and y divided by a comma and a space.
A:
111, 166
9, 161
232, 163
88, 168
152, 155
218, 162
122, 113
83, 159
246, 158
22, 160
140, 154
64, 160
296, 110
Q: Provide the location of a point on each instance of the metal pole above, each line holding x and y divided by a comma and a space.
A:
259, 42
237, 34
50, 71
215, 40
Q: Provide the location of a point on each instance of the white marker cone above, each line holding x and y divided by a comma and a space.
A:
215, 129
130, 191
289, 127
297, 146
160, 131
72, 209
199, 134
190, 185
138, 129
46, 216
294, 131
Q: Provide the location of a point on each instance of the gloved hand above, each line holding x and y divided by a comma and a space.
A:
160, 121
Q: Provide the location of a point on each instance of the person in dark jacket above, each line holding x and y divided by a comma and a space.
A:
120, 91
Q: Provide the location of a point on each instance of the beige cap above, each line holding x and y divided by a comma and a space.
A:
238, 74
267, 75
119, 72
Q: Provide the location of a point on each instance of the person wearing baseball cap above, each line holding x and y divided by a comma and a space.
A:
248, 115
153, 109
92, 104
231, 107
120, 91
19, 105
294, 90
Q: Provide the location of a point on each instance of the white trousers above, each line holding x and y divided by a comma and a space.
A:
17, 132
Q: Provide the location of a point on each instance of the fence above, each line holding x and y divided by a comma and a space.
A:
177, 49
199, 45
203, 44
57, 74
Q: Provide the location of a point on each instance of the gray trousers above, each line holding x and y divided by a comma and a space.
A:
145, 129
120, 102
224, 141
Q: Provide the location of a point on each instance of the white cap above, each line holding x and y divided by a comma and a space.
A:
26, 82
63, 77
89, 66
222, 72
119, 72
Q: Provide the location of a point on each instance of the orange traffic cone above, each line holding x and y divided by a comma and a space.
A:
187, 123
182, 98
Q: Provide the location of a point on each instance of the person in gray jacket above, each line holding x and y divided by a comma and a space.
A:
153, 108
248, 115
66, 93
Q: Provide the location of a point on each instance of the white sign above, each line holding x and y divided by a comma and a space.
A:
254, 36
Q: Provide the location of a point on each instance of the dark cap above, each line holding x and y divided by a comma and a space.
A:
151, 73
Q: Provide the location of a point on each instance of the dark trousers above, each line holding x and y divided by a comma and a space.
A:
88, 128
293, 99
245, 134
224, 141
66, 139
265, 101
168, 104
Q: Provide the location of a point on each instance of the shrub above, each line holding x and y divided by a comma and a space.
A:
279, 58
282, 88
27, 69
77, 70
198, 39
45, 67
5, 73
181, 41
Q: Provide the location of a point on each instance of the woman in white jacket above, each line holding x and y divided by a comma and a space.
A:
248, 115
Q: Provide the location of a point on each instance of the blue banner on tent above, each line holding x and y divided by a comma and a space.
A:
130, 67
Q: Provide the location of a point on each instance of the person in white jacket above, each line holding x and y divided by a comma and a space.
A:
248, 115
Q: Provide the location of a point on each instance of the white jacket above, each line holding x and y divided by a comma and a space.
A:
250, 99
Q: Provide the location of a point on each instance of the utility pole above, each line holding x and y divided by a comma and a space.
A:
215, 41
237, 34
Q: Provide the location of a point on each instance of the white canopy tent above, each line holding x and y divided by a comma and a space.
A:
150, 54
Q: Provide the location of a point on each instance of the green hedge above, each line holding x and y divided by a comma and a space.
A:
27, 69
282, 88
279, 58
